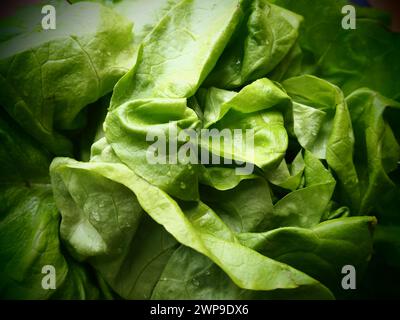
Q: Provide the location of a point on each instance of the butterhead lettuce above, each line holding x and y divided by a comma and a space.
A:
82, 105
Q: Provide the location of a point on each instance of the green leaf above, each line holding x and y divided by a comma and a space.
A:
301, 208
29, 241
197, 226
79, 284
348, 58
221, 178
29, 225
189, 275
255, 108
151, 98
48, 76
321, 251
261, 42
22, 159
322, 125
287, 176
377, 151
242, 208
144, 14
29, 229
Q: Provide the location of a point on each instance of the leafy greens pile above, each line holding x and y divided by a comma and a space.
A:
77, 191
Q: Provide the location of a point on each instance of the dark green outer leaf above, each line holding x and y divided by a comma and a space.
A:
189, 275
48, 76
351, 59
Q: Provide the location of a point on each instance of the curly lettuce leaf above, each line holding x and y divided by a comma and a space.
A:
261, 42
377, 151
151, 98
189, 275
351, 59
29, 241
192, 224
47, 77
322, 124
